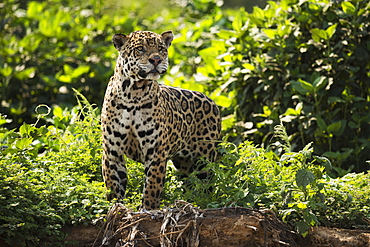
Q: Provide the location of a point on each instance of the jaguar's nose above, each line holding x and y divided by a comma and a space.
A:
155, 60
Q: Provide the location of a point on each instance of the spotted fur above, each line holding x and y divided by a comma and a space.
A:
149, 122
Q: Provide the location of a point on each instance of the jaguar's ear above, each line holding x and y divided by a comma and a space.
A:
167, 38
119, 40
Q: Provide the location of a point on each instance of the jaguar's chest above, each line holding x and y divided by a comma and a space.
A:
141, 126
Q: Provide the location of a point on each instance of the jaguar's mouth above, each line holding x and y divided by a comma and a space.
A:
154, 71
151, 74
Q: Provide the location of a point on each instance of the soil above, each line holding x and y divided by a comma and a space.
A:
185, 225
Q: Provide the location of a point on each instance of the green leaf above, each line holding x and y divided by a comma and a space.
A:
331, 30
25, 73
226, 34
271, 33
58, 112
310, 218
258, 12
237, 23
337, 128
321, 123
64, 78
291, 111
319, 83
82, 69
306, 85
304, 177
267, 111
302, 227
24, 143
6, 71
334, 99
334, 127
318, 34
222, 101
248, 66
302, 205
348, 8
228, 122
34, 9
288, 156
325, 162
26, 129
302, 86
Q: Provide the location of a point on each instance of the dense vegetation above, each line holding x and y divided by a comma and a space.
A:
292, 79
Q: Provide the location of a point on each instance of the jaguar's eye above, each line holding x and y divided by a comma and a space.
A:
140, 48
161, 48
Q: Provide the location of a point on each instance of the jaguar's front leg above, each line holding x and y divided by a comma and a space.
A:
155, 171
114, 174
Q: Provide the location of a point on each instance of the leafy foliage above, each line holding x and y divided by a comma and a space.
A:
50, 176
300, 65
301, 62
295, 185
51, 49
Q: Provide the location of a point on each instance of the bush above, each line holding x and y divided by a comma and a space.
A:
52, 47
50, 177
295, 185
304, 63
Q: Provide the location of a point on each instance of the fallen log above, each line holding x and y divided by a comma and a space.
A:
186, 225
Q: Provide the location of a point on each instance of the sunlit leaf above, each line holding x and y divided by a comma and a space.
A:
302, 86
237, 23
26, 73
34, 9
267, 111
24, 143
6, 71
301, 205
330, 31
25, 129
325, 162
318, 34
270, 32
291, 111
222, 101
58, 112
226, 34
348, 8
228, 122
248, 66
319, 82
82, 69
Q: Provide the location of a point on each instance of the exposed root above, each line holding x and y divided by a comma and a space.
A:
187, 226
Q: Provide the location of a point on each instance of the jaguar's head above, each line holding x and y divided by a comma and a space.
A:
143, 54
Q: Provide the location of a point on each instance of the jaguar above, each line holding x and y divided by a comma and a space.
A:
152, 123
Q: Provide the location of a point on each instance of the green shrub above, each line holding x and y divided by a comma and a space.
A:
295, 185
304, 63
48, 48
50, 176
